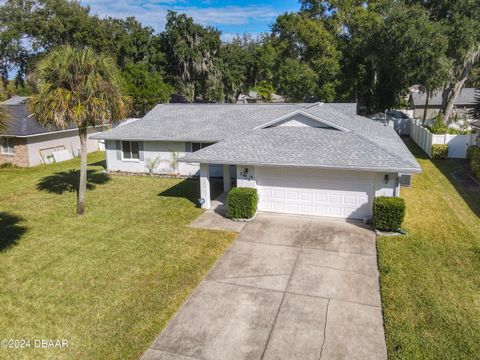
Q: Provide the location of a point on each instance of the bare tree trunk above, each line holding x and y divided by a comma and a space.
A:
451, 93
82, 187
426, 108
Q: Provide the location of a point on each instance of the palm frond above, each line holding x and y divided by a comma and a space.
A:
4, 120
77, 87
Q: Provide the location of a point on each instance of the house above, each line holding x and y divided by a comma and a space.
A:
253, 97
27, 143
315, 159
463, 105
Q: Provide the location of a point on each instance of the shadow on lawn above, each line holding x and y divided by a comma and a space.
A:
10, 231
102, 163
190, 189
67, 181
447, 167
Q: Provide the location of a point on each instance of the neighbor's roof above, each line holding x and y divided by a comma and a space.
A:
466, 97
302, 146
199, 122
22, 123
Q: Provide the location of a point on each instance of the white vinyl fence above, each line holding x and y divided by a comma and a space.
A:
457, 144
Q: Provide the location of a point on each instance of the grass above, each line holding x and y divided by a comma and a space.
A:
109, 281
430, 280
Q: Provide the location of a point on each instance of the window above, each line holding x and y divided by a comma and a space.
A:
130, 150
199, 146
7, 146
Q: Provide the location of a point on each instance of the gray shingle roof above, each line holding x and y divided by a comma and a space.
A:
466, 97
366, 144
346, 108
383, 136
22, 123
301, 146
199, 122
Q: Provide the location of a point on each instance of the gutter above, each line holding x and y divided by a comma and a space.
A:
48, 132
327, 167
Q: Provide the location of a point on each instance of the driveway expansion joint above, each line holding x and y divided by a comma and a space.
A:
281, 303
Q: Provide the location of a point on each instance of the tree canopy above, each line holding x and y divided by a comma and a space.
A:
365, 51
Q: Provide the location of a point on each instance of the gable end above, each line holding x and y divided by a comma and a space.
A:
301, 120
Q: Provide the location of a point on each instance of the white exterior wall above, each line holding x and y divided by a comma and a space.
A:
246, 181
152, 150
302, 121
392, 188
69, 139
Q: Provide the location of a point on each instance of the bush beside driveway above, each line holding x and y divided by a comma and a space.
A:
107, 281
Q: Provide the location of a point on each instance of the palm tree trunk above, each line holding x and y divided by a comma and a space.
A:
82, 187
453, 91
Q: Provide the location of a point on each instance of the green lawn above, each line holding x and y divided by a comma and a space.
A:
109, 281
430, 280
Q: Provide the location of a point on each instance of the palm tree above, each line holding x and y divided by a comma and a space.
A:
76, 86
3, 120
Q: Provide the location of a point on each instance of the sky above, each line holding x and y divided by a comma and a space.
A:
229, 16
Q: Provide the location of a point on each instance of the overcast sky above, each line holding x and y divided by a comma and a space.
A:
231, 17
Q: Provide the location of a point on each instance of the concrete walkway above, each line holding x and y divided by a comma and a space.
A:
288, 288
215, 217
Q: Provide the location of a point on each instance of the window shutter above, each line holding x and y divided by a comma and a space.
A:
119, 149
141, 153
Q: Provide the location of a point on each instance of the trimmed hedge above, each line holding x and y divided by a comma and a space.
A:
439, 151
473, 156
388, 213
242, 203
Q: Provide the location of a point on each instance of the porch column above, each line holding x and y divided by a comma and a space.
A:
205, 185
227, 178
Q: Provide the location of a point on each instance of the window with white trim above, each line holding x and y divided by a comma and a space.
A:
130, 150
7, 146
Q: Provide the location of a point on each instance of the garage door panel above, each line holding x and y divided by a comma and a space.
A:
350, 199
292, 195
315, 192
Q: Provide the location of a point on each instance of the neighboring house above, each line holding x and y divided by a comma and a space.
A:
313, 159
253, 98
27, 143
464, 103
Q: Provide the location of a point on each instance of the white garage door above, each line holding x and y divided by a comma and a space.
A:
343, 194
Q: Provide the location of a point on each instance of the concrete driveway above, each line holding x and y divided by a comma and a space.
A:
288, 288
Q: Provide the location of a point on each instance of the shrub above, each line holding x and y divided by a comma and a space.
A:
475, 160
388, 213
438, 127
439, 151
242, 203
7, 165
470, 151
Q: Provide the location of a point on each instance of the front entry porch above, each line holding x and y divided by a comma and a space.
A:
229, 178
